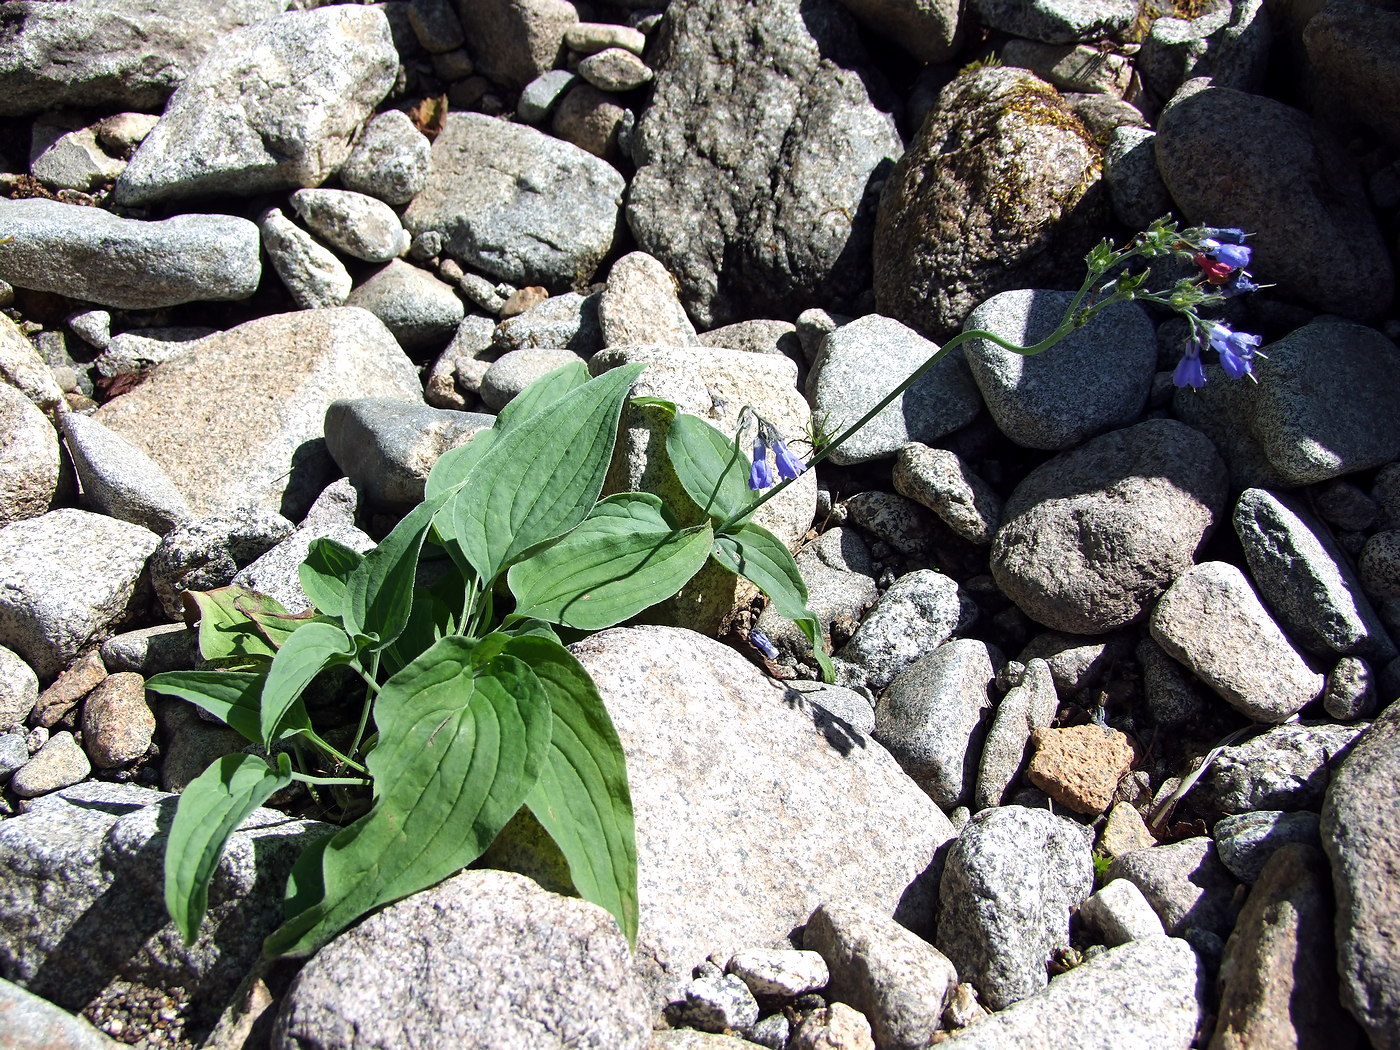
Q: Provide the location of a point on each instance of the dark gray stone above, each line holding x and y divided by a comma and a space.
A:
1229, 41
1288, 768
206, 553
1057, 21
1246, 841
1135, 186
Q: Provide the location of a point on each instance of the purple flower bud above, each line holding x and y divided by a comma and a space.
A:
760, 642
1236, 349
761, 474
789, 466
1230, 254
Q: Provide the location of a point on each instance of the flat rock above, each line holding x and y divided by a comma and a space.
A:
1090, 539
60, 763
254, 399
29, 470
1286, 768
945, 484
486, 959
120, 480
1080, 766
90, 254
514, 203
735, 191
68, 579
1057, 21
273, 107
354, 223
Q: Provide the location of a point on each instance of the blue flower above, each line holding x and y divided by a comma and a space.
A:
1189, 370
761, 474
1236, 349
1239, 284
1236, 255
760, 642
789, 466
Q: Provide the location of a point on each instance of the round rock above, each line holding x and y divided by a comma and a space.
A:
418, 308
29, 469
118, 724
390, 160
58, 764
355, 223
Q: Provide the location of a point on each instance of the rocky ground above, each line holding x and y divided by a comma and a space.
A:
1113, 754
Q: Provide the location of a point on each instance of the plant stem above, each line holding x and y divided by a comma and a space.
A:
331, 781
343, 760
370, 694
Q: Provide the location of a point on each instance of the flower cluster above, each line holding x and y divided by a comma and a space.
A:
761, 473
1222, 256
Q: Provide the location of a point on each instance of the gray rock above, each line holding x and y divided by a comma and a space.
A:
1057, 21
1011, 879
391, 159
930, 30
1380, 564
13, 752
1346, 505
1095, 379
640, 305
68, 579
32, 1023
594, 121
513, 372
1017, 207
941, 481
717, 1003
60, 763
1091, 538
851, 710
436, 25
248, 405
779, 972
85, 863
419, 309
19, 689
1185, 883
758, 336
901, 523
118, 724
120, 480
1291, 185
537, 970
562, 322
313, 275
859, 363
1135, 186
22, 368
1072, 67
94, 327
772, 1031
934, 715
516, 204
107, 54
70, 159
1076, 663
1145, 994
1246, 841
1351, 691
838, 573
206, 553
1228, 42
1362, 842
1030, 705
151, 650
769, 221
30, 468
386, 447
615, 69
539, 97
515, 41
915, 616
1212, 622
1346, 41
1121, 913
137, 351
588, 38
897, 980
1385, 490
355, 223
273, 107
91, 254
1287, 768
690, 1039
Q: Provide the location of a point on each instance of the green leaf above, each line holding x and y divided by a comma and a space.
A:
306, 654
540, 394
230, 696
325, 572
624, 557
228, 631
711, 467
582, 798
379, 593
764, 560
541, 477
453, 466
462, 738
210, 809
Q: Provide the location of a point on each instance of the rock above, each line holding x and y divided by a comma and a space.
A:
22, 368
1135, 187
32, 1023
930, 31
1057, 21
354, 223
136, 352
57, 702
1290, 184
859, 363
588, 38
1348, 45
62, 159
767, 222
436, 25
835, 1027
614, 69
539, 97
386, 446
910, 621
1360, 836
1288, 767
248, 406
273, 107
594, 121
1146, 993
1121, 913
899, 981
1228, 42
1123, 832
837, 571
1017, 207
19, 689
1278, 979
152, 650
561, 322
514, 41
901, 523
121, 133
1091, 538
486, 956
206, 553
1380, 564
513, 372
1184, 882
120, 480
390, 159
313, 275
946, 485
1080, 766
640, 305
516, 204
717, 1003
1351, 690
1174, 697
758, 336
1246, 841
1076, 663
1010, 880
68, 579
1072, 67
118, 724
1209, 619
1095, 379
1026, 707
30, 468
90, 254
778, 972
60, 763
13, 752
102, 55
690, 1039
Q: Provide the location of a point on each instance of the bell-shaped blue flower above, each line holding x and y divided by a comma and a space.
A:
1189, 370
761, 473
789, 465
760, 642
1236, 349
1236, 255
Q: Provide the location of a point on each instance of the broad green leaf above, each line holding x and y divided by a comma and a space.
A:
227, 629
764, 560
307, 653
623, 558
581, 797
230, 696
712, 468
541, 477
325, 572
462, 740
655, 402
210, 809
540, 394
453, 466
379, 593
